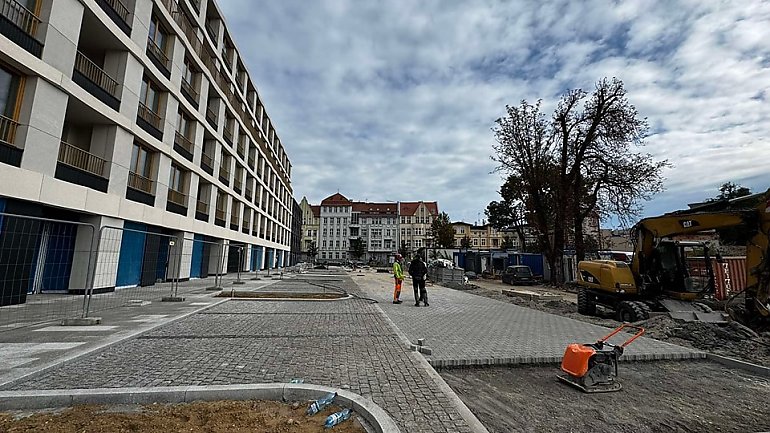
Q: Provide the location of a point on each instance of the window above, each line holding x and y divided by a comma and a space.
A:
157, 35
184, 125
141, 161
188, 74
176, 178
483, 242
149, 95
475, 242
11, 90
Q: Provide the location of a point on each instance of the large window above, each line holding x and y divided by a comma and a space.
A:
157, 35
176, 178
184, 125
141, 161
149, 95
10, 100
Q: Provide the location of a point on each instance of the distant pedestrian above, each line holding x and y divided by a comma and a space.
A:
419, 271
398, 276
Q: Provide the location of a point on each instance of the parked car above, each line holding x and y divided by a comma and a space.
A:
518, 275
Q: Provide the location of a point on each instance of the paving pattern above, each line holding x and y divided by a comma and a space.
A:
345, 343
465, 329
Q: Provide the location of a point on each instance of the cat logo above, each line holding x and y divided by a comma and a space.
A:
688, 223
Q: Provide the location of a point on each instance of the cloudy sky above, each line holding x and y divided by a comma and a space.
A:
396, 100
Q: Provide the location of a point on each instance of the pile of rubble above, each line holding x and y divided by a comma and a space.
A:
733, 339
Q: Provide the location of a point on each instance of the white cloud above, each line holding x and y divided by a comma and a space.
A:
395, 100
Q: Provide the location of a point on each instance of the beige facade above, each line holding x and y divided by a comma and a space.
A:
415, 220
141, 111
311, 220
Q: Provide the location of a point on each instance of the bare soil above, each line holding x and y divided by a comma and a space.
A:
656, 397
209, 417
273, 295
732, 340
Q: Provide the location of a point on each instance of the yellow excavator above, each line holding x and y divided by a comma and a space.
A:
658, 279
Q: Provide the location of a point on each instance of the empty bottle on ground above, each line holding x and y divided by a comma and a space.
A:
337, 418
321, 403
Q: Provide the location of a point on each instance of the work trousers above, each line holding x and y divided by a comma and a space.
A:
419, 285
397, 289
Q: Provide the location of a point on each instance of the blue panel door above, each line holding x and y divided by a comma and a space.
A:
197, 257
131, 255
60, 250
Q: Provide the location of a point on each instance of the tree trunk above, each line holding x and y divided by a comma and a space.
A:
580, 247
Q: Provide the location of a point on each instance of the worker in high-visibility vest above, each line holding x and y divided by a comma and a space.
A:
398, 276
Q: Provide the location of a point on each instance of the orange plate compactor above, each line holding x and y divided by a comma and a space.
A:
594, 367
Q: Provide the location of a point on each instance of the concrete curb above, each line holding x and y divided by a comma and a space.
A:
344, 298
737, 364
103, 345
535, 360
41, 399
474, 423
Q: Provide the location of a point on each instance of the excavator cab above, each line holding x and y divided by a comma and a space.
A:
679, 269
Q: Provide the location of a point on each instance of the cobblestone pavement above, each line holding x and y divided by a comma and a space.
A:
465, 329
346, 343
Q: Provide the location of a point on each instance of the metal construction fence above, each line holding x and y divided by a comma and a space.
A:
52, 269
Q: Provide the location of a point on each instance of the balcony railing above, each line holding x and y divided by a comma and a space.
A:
211, 115
150, 116
93, 72
187, 87
228, 133
80, 159
212, 33
202, 207
177, 197
207, 160
8, 128
119, 8
139, 182
224, 173
157, 51
220, 214
237, 184
183, 141
21, 16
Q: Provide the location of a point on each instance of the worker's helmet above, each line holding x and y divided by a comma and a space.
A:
398, 256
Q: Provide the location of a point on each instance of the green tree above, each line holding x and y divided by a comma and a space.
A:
465, 242
357, 248
442, 231
729, 191
404, 250
507, 243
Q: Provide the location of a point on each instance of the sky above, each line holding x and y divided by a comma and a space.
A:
396, 100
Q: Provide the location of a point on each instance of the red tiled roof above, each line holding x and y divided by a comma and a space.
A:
335, 199
409, 208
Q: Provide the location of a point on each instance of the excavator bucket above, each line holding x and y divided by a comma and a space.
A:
693, 312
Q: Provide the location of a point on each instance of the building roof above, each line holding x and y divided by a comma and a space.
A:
409, 208
375, 208
336, 199
316, 209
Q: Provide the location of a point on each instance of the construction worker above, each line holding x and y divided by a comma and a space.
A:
398, 276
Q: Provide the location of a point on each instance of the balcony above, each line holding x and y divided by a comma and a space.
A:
183, 146
196, 4
9, 153
189, 92
202, 211
80, 167
140, 189
246, 225
211, 116
158, 57
238, 185
234, 222
95, 81
228, 134
224, 175
177, 202
249, 194
219, 217
212, 33
19, 24
241, 150
118, 13
150, 121
207, 163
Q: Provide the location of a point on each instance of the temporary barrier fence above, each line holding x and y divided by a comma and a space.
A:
44, 267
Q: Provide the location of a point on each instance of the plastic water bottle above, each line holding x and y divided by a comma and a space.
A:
337, 418
321, 403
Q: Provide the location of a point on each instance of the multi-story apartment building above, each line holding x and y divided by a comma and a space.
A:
378, 223
335, 216
139, 115
311, 221
484, 236
416, 219
338, 221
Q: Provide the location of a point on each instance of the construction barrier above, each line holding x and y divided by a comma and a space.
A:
43, 269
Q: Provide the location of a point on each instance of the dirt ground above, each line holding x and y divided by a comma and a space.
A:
656, 397
209, 417
732, 340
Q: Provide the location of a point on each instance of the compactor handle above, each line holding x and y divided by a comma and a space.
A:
639, 332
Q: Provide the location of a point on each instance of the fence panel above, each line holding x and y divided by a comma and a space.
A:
44, 269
